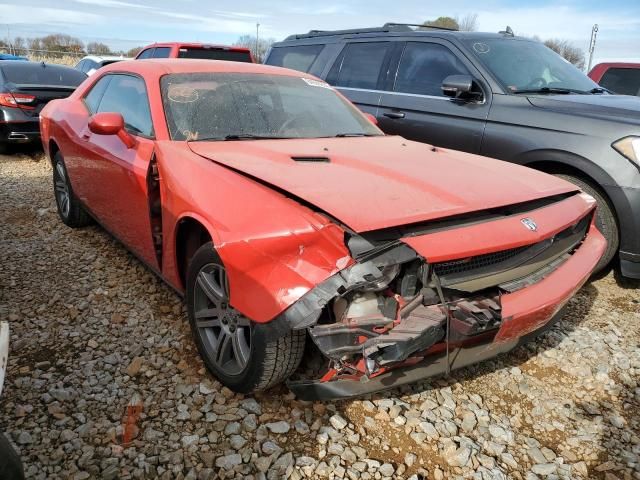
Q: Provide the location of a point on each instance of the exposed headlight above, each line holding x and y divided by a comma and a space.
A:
628, 147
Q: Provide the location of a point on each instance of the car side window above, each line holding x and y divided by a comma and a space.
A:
423, 67
359, 65
80, 65
91, 65
162, 52
625, 81
127, 95
299, 58
148, 53
93, 98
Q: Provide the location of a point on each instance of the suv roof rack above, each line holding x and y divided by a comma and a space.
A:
387, 27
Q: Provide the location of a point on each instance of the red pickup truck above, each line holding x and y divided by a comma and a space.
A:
196, 50
621, 78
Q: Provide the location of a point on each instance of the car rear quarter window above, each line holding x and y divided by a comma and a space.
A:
127, 95
32, 73
423, 67
148, 53
215, 54
162, 52
624, 81
300, 57
359, 65
93, 98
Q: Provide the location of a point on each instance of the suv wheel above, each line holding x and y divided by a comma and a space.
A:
231, 347
605, 219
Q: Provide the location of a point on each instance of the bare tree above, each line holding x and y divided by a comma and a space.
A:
571, 53
133, 52
468, 23
98, 48
249, 41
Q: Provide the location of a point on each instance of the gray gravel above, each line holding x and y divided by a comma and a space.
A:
104, 382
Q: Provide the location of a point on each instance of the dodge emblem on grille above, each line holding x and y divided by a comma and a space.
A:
530, 224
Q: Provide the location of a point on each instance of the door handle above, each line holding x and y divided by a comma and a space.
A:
394, 115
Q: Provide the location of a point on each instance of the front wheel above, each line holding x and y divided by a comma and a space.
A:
231, 347
70, 210
605, 219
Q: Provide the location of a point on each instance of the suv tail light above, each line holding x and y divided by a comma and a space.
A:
17, 100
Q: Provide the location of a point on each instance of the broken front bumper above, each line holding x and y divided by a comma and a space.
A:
525, 313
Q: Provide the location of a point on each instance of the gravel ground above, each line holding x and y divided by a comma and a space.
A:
104, 381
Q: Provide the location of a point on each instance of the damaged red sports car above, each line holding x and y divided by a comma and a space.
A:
294, 227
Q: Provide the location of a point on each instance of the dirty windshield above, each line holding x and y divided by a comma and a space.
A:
526, 66
234, 106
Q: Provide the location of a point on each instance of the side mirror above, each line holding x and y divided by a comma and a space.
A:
108, 123
372, 118
461, 87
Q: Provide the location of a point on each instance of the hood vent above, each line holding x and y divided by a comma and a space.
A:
311, 159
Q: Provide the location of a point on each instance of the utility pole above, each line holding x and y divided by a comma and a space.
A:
257, 42
592, 45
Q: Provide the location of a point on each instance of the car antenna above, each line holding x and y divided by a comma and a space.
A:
507, 31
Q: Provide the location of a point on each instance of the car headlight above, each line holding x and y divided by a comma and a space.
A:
628, 147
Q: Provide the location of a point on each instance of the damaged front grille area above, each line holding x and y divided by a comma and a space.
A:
491, 269
392, 308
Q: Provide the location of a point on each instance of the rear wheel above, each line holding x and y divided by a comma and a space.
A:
605, 219
233, 350
70, 210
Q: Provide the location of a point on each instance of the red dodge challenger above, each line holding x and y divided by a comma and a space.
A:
294, 228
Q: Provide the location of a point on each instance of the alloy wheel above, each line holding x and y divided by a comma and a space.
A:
224, 333
62, 190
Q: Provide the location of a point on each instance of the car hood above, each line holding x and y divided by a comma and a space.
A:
622, 108
370, 183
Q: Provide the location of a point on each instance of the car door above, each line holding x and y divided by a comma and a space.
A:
414, 106
115, 177
359, 71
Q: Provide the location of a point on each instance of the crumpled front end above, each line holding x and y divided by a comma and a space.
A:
439, 297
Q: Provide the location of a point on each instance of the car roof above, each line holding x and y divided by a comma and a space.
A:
196, 45
617, 65
28, 64
102, 58
397, 30
156, 67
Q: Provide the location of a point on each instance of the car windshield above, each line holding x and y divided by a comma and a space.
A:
239, 106
526, 65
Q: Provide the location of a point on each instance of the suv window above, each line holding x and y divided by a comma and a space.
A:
127, 95
359, 65
299, 58
92, 99
423, 67
625, 81
148, 53
162, 52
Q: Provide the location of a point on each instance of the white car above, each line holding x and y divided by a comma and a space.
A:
91, 63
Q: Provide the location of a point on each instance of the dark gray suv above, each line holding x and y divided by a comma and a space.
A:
496, 95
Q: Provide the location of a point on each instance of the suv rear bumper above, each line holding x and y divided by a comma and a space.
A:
526, 313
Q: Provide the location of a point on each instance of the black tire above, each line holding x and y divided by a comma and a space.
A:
10, 463
214, 322
605, 219
71, 212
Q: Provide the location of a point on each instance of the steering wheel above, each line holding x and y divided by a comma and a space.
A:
537, 82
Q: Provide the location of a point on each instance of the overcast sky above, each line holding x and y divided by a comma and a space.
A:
123, 24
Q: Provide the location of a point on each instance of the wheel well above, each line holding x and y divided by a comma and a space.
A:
556, 167
190, 236
53, 149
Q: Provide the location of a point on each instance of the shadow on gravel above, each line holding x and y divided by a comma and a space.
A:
32, 151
